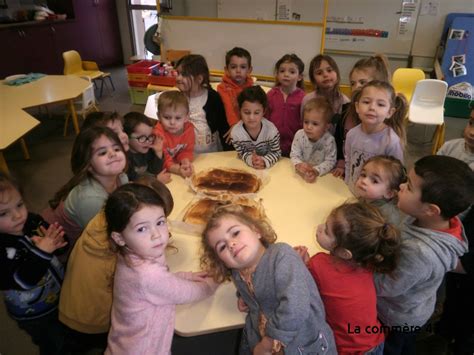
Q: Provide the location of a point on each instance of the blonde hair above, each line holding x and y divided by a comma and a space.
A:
173, 99
210, 262
378, 63
320, 104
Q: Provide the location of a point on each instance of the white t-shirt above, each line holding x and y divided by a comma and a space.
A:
205, 141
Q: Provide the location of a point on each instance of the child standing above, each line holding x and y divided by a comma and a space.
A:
313, 152
432, 240
284, 100
381, 131
364, 71
31, 275
145, 155
206, 111
176, 132
360, 242
255, 139
285, 312
238, 67
145, 292
378, 184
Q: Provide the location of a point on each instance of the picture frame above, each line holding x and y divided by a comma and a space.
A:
456, 34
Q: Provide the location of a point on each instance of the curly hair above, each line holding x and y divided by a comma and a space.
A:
210, 261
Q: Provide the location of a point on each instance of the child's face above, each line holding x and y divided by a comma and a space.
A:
469, 133
360, 77
236, 244
13, 212
117, 127
409, 196
325, 76
373, 183
142, 139
238, 69
146, 234
374, 106
174, 118
107, 159
187, 84
325, 235
314, 124
251, 114
288, 75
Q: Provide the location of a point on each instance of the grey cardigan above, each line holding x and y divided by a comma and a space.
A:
286, 293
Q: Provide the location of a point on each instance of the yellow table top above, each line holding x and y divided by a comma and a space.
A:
14, 122
294, 208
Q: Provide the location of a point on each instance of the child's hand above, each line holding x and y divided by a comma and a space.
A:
257, 161
227, 136
339, 170
211, 283
242, 306
199, 276
158, 146
186, 169
164, 176
307, 172
53, 238
264, 347
302, 251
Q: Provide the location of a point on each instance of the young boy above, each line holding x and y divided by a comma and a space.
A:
108, 119
313, 151
255, 138
437, 190
238, 66
145, 155
177, 133
462, 148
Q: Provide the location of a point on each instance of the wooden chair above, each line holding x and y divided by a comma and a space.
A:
173, 55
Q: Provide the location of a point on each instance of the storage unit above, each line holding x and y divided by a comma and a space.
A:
457, 107
138, 80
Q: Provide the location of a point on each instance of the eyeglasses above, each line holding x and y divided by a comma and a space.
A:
143, 139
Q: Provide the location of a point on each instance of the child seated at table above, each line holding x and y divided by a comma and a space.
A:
145, 155
285, 311
255, 138
108, 119
313, 151
176, 132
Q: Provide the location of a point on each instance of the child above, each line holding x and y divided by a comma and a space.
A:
31, 275
145, 292
90, 273
206, 111
98, 162
432, 240
108, 119
381, 131
378, 184
325, 77
238, 67
145, 155
462, 148
176, 132
285, 310
313, 152
284, 100
255, 139
364, 71
360, 242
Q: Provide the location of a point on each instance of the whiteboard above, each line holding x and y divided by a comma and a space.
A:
266, 42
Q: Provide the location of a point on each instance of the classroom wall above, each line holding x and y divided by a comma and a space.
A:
125, 37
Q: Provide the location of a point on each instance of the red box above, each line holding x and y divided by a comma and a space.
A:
138, 84
142, 67
162, 80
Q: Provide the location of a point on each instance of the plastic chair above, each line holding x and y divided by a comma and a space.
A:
404, 80
84, 105
427, 107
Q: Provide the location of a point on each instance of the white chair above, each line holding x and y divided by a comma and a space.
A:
150, 108
427, 107
84, 105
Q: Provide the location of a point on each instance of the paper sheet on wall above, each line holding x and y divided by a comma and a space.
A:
406, 22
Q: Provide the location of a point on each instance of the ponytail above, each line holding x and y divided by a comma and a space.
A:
397, 121
385, 259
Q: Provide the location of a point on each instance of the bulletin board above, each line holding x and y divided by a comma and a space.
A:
267, 41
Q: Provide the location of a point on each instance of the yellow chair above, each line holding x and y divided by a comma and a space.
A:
173, 55
84, 105
404, 81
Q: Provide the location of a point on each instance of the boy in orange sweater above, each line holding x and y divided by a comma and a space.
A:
238, 66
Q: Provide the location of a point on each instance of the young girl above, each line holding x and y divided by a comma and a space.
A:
325, 77
378, 184
31, 275
286, 314
284, 100
364, 71
98, 163
206, 111
145, 292
255, 138
381, 131
360, 242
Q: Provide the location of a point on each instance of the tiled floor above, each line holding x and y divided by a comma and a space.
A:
49, 168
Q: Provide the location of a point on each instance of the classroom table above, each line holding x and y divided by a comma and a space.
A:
294, 208
15, 122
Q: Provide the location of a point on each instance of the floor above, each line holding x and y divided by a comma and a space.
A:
49, 169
